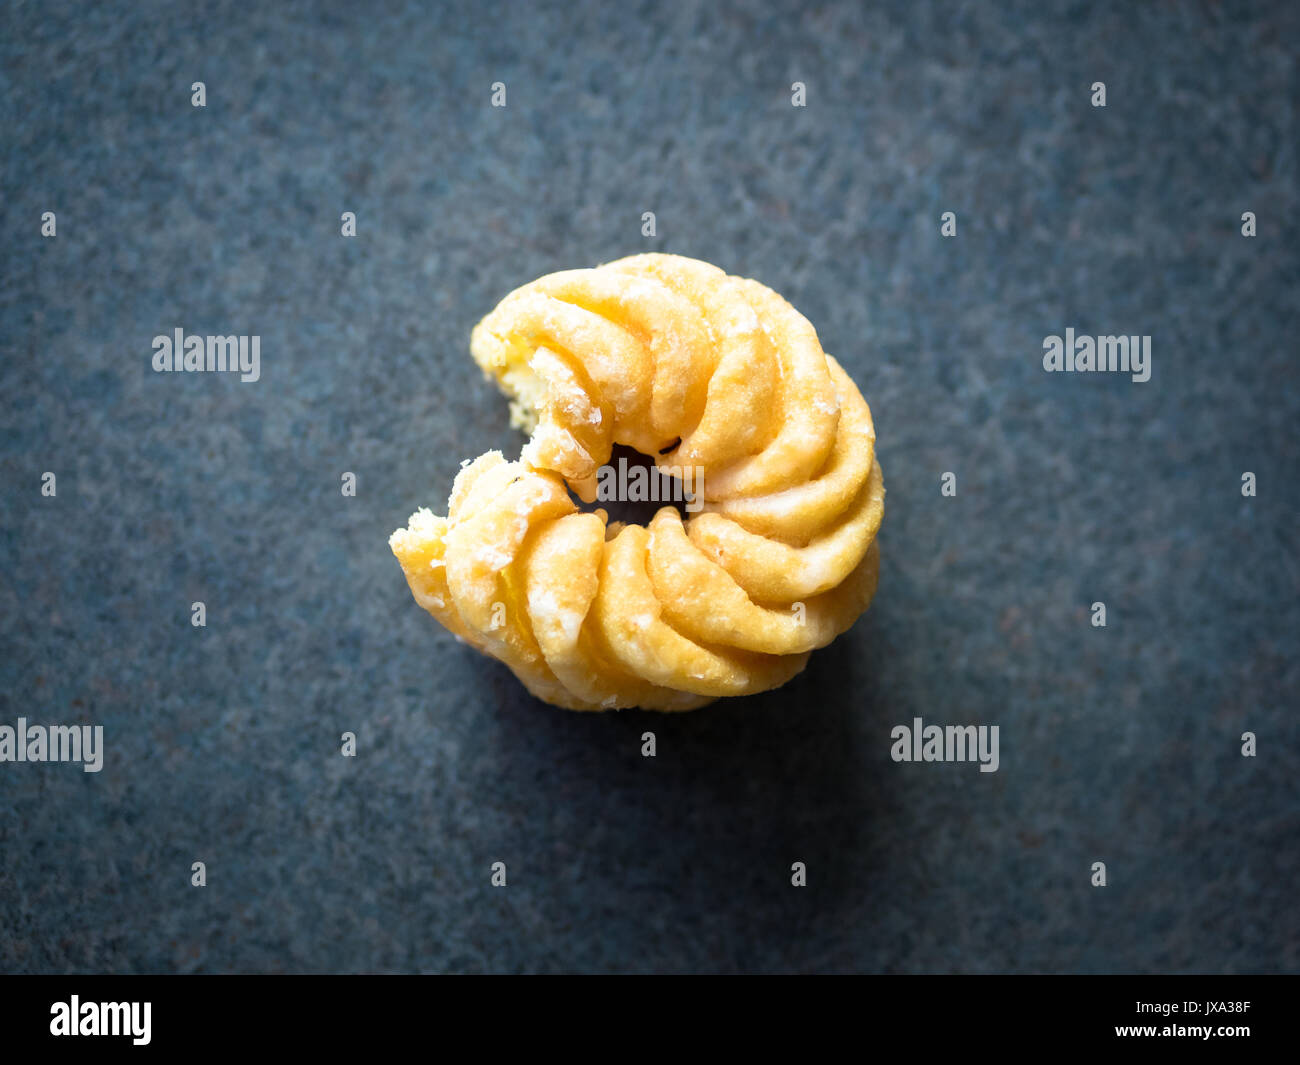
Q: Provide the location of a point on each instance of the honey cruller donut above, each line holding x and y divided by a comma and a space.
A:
700, 371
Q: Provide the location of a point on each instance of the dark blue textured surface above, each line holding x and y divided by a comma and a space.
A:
1118, 744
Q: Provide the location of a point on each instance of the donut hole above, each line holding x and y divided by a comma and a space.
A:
631, 489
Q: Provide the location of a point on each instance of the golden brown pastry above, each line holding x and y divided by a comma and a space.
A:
724, 385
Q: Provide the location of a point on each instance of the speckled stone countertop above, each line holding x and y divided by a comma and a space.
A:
1119, 744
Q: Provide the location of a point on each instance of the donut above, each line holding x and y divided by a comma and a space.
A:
724, 386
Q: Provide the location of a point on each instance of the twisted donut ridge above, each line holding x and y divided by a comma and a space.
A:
723, 384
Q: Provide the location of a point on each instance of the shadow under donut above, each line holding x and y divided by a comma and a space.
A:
686, 856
